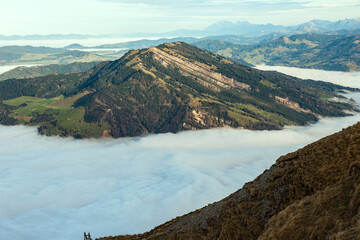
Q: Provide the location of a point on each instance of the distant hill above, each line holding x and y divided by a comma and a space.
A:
38, 71
75, 46
28, 55
168, 88
313, 193
321, 51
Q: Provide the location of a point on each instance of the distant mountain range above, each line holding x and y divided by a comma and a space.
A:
243, 28
168, 88
253, 30
337, 51
313, 193
312, 50
247, 29
145, 43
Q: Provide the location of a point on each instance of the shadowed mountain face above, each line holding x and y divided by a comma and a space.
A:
168, 88
313, 193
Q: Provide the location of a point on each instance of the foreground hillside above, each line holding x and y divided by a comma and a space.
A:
168, 88
321, 51
313, 193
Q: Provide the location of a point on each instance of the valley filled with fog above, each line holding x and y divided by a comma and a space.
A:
348, 79
56, 188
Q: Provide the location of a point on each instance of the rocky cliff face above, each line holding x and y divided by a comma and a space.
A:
313, 193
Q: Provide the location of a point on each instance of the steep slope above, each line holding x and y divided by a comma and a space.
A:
322, 51
332, 212
312, 193
169, 88
39, 71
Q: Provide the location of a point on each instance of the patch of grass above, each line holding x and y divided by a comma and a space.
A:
325, 96
28, 106
268, 84
267, 115
241, 118
73, 123
67, 120
66, 103
28, 100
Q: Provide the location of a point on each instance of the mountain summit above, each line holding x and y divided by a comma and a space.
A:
168, 88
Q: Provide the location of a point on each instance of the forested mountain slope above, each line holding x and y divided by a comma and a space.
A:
168, 88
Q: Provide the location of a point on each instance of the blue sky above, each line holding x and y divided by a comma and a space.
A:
129, 16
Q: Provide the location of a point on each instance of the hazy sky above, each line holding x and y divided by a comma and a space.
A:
129, 16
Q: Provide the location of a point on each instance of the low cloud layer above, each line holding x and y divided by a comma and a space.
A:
348, 79
54, 188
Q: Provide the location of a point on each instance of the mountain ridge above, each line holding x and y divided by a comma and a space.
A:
168, 88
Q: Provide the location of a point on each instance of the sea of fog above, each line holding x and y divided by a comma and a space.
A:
349, 79
56, 188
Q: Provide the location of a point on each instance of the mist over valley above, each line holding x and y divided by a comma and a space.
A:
59, 187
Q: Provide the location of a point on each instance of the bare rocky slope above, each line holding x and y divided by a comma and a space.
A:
313, 193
